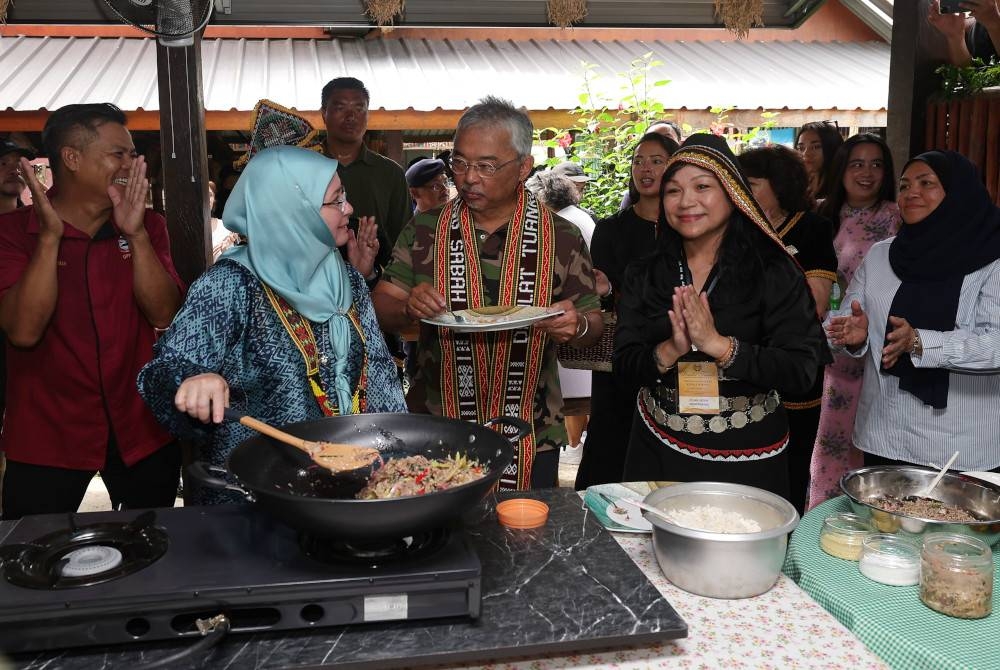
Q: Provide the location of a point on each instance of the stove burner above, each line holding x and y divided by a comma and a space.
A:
90, 561
84, 556
381, 552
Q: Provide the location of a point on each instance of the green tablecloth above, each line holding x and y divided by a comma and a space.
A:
890, 620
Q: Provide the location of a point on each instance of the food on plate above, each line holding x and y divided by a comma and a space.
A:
493, 310
923, 508
713, 519
416, 475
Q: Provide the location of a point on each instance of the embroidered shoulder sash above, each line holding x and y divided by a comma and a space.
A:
485, 375
301, 332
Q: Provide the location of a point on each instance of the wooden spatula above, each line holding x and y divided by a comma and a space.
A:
333, 456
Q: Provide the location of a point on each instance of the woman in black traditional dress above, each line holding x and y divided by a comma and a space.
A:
618, 240
714, 328
780, 184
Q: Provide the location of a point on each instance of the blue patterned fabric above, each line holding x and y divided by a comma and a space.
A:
228, 326
276, 206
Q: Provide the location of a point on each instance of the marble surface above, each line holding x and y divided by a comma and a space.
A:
561, 589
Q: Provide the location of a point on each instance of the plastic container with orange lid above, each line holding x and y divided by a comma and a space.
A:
522, 513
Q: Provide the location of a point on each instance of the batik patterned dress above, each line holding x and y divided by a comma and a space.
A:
834, 452
228, 326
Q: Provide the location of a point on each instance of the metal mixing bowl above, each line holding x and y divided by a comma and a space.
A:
975, 495
722, 565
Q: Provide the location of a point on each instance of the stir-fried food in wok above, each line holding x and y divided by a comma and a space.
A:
923, 508
416, 475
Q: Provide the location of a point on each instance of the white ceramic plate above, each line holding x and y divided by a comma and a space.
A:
470, 321
631, 519
630, 522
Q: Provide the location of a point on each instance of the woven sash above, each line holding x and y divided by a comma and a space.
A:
485, 375
302, 337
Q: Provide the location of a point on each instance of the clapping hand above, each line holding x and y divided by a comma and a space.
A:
849, 331
898, 342
362, 248
50, 223
130, 203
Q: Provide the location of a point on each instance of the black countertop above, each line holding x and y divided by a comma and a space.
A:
565, 587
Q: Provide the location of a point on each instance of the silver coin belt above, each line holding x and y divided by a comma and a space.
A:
745, 410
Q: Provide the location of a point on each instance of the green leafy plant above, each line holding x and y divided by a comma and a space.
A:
607, 127
962, 81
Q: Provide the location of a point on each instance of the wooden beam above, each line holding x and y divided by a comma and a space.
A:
917, 49
446, 119
181, 122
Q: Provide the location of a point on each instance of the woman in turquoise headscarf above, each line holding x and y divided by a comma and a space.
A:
280, 328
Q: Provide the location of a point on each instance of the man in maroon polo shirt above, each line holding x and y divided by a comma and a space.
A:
85, 277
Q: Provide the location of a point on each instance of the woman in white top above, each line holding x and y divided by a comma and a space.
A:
923, 310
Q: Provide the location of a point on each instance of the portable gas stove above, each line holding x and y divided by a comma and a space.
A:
113, 577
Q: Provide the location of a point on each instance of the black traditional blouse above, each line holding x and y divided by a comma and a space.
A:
618, 240
782, 343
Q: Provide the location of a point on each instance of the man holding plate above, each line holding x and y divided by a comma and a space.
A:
493, 246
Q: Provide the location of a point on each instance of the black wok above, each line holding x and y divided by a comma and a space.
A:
283, 481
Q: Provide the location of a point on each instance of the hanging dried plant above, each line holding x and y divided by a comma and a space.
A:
4, 6
382, 12
739, 16
564, 13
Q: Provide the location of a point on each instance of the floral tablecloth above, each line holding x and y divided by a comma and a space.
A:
783, 629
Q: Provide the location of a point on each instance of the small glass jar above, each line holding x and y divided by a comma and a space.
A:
891, 560
842, 535
956, 575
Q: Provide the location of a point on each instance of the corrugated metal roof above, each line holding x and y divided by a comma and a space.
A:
48, 72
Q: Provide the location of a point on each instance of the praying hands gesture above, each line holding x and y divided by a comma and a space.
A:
698, 321
693, 327
362, 248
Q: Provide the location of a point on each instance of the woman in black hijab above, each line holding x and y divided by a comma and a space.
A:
923, 311
714, 327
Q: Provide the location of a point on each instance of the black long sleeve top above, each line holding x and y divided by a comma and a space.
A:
770, 311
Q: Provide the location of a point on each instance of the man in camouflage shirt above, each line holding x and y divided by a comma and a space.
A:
491, 160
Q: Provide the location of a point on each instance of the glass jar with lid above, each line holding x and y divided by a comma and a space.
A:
842, 535
956, 575
891, 560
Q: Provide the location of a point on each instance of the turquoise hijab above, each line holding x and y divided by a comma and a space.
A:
276, 206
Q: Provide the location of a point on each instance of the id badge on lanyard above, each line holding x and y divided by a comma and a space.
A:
697, 381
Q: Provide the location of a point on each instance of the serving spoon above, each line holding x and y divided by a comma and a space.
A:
649, 508
334, 456
934, 482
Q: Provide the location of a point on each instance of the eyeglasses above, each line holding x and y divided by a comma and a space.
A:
460, 166
340, 203
440, 186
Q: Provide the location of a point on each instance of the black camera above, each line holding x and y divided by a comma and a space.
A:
951, 7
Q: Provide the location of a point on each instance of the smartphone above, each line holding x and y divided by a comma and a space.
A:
951, 7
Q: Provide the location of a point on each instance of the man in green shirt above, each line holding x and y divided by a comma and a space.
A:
493, 245
374, 184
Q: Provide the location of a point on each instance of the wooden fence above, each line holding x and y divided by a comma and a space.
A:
971, 127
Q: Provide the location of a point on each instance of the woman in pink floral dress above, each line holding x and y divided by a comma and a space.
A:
863, 209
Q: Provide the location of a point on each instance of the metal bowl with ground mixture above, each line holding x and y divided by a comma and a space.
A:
893, 498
